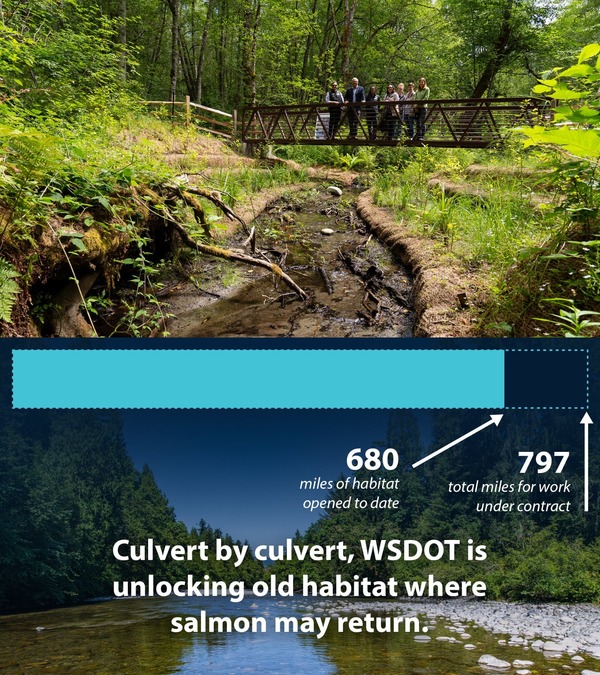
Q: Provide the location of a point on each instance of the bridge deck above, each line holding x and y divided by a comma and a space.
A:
449, 123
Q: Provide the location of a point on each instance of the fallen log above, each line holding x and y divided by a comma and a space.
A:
226, 254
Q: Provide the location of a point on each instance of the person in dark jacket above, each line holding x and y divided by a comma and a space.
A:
354, 94
335, 101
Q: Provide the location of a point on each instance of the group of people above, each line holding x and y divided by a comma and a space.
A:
404, 111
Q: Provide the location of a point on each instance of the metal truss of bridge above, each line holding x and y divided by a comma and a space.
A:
449, 123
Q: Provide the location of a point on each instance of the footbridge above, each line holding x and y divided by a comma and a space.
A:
448, 123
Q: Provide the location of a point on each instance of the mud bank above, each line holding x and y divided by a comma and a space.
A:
438, 286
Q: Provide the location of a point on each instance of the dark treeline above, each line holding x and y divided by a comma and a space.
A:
530, 556
69, 491
227, 53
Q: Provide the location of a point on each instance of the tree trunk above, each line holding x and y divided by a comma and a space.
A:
308, 48
123, 36
156, 52
502, 48
200, 64
174, 6
251, 17
349, 11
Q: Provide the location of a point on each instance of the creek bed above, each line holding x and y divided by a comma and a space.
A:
355, 287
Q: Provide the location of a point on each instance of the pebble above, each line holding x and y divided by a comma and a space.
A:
327, 231
334, 190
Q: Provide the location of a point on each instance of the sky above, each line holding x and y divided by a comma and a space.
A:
240, 470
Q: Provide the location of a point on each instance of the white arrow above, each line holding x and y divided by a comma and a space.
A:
495, 419
586, 420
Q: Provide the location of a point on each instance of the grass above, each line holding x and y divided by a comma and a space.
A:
72, 181
525, 252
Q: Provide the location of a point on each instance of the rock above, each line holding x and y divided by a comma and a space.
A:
489, 661
470, 646
590, 672
334, 190
327, 231
422, 638
523, 671
553, 647
521, 663
577, 659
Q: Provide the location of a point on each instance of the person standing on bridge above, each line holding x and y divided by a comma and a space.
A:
421, 97
390, 112
372, 112
400, 121
409, 112
335, 101
354, 94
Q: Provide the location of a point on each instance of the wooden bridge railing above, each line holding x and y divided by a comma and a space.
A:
206, 119
464, 123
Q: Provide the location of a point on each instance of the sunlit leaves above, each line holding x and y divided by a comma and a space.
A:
580, 142
576, 127
588, 52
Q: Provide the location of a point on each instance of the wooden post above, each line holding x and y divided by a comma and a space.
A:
235, 123
188, 112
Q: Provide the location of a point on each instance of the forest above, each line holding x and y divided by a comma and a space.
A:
534, 557
70, 491
92, 208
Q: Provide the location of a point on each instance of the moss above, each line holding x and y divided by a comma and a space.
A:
94, 244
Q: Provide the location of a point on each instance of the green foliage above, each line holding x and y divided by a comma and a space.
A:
69, 493
544, 569
62, 61
9, 289
562, 271
532, 556
573, 322
576, 129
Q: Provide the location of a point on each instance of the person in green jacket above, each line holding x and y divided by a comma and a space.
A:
421, 97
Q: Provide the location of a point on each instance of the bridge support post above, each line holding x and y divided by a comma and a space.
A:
188, 112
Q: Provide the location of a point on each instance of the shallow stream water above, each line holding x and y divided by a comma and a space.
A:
132, 637
355, 287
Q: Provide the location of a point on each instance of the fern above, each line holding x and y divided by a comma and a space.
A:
9, 289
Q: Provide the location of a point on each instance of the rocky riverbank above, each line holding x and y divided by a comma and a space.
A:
567, 636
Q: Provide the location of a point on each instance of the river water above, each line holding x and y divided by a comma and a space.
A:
132, 637
355, 287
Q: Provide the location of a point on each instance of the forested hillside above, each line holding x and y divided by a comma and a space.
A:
69, 492
531, 554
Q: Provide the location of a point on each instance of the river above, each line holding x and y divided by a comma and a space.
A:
133, 637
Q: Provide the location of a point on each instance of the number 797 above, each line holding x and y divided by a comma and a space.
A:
544, 461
